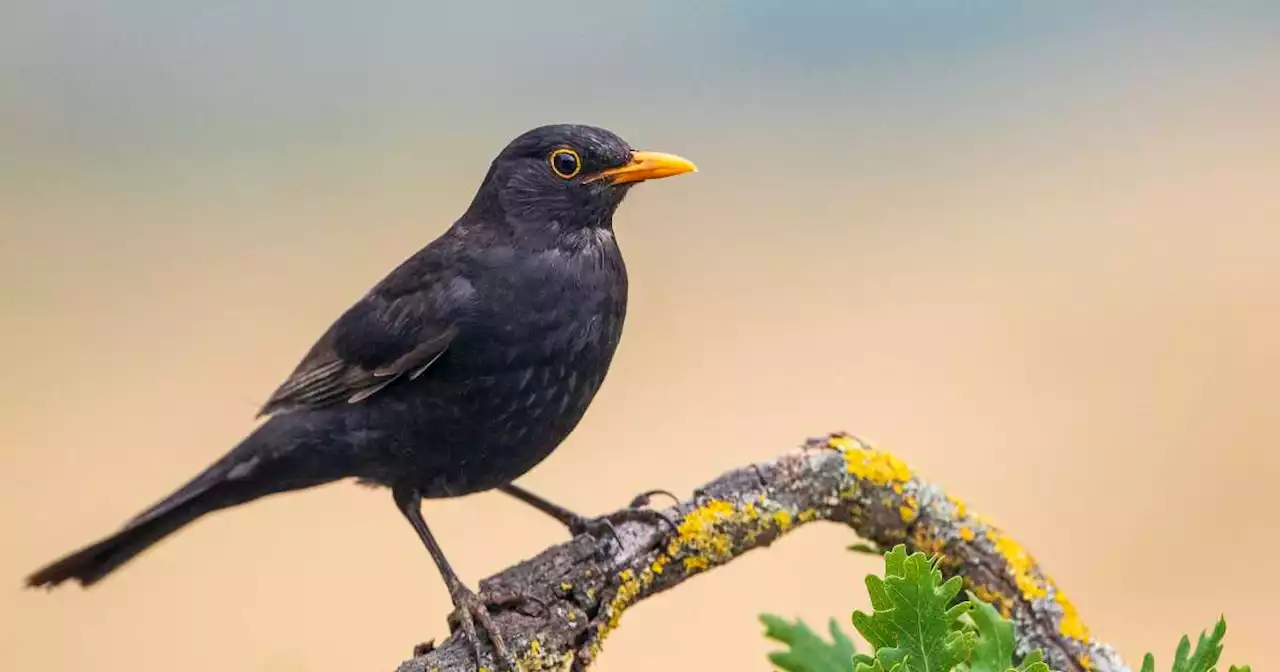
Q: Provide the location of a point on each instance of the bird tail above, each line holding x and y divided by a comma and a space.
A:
244, 474
91, 563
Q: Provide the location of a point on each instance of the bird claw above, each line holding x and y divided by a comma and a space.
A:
599, 526
643, 499
469, 608
514, 600
596, 527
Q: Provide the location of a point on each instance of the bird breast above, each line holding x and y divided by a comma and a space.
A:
559, 306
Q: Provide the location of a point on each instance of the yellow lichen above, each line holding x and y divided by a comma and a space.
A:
566, 587
628, 590
877, 466
999, 600
697, 532
909, 510
695, 564
907, 514
1020, 565
966, 533
929, 544
1071, 625
751, 513
535, 659
807, 515
703, 538
706, 531
1085, 661
961, 509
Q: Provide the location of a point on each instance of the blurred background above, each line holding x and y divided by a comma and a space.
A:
1030, 247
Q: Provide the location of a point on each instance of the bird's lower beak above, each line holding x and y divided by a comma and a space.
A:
647, 166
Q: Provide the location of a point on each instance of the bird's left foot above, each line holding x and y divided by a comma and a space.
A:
469, 610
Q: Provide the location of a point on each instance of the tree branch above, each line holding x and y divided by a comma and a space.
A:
556, 609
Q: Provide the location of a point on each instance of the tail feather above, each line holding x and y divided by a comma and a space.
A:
208, 491
261, 465
92, 563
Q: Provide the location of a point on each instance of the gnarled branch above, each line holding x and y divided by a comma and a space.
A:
556, 609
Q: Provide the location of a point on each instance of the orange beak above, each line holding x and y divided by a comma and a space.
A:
646, 166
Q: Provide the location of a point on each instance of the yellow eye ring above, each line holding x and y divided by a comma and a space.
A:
566, 163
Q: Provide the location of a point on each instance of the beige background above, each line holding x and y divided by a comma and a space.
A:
1032, 250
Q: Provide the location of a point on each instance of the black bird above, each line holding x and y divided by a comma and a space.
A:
458, 372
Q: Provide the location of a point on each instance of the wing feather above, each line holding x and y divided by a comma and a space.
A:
400, 328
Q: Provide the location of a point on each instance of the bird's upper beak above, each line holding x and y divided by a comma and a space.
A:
647, 166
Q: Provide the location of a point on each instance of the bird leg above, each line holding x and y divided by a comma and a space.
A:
579, 524
468, 606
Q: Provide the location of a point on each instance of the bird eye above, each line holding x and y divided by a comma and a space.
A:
565, 163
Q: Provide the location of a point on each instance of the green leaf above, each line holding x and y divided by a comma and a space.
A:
993, 649
911, 625
876, 665
862, 547
1203, 659
807, 651
1033, 662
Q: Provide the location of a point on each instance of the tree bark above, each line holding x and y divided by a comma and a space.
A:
555, 610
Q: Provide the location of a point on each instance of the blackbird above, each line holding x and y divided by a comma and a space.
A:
457, 373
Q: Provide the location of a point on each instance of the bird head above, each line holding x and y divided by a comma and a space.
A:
556, 180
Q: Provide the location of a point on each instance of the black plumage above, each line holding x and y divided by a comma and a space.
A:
458, 372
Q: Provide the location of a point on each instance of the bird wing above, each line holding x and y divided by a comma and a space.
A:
399, 329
